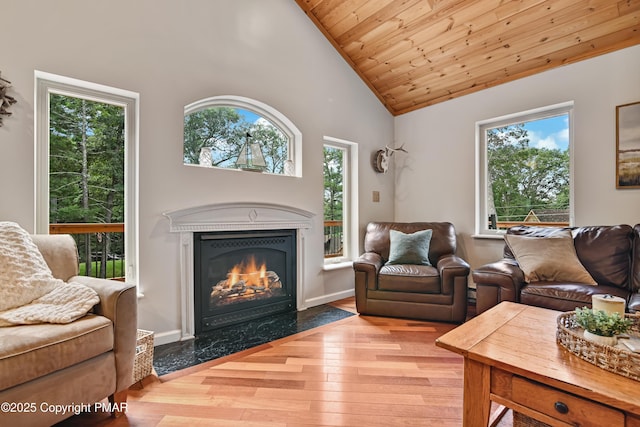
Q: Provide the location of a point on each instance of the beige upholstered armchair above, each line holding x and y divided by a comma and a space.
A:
78, 363
408, 271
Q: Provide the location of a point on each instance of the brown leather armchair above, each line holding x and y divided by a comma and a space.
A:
428, 292
611, 255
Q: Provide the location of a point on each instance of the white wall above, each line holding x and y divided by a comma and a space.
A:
173, 53
437, 179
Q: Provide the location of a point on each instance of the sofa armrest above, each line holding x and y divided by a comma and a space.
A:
449, 268
366, 269
119, 303
369, 263
496, 282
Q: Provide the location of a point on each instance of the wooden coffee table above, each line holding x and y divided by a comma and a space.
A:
511, 357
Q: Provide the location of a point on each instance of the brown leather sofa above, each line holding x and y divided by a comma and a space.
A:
50, 371
435, 292
610, 254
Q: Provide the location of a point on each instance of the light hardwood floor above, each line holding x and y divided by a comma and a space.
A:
359, 371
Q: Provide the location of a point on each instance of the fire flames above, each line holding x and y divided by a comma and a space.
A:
250, 272
246, 280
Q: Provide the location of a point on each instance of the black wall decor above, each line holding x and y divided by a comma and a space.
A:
5, 100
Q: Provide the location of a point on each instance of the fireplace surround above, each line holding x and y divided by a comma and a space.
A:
230, 217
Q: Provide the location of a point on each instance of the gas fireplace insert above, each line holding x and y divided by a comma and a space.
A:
243, 275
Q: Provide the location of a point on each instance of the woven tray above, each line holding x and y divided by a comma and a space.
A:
619, 359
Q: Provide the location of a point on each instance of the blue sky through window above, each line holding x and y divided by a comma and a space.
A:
249, 116
552, 132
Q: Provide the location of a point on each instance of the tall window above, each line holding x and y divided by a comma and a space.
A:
524, 174
240, 133
86, 172
340, 200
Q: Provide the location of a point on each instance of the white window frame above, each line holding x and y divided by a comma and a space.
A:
47, 84
482, 230
350, 203
294, 152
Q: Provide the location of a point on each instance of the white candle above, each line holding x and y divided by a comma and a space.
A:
608, 303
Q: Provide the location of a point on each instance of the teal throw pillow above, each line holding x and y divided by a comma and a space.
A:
409, 248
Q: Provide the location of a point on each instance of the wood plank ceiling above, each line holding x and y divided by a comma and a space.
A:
416, 53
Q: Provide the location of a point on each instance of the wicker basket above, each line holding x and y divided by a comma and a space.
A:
616, 359
143, 363
521, 420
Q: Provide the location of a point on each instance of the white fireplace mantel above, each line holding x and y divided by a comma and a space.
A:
232, 217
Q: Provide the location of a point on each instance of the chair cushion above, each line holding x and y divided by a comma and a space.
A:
409, 278
31, 351
410, 248
551, 258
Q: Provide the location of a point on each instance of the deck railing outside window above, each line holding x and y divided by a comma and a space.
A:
503, 225
100, 248
558, 219
333, 238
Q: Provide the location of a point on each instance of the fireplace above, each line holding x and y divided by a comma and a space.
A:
243, 275
232, 217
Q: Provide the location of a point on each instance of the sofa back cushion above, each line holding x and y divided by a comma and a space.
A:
60, 253
443, 238
605, 251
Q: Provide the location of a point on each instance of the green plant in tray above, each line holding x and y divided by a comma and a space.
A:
602, 323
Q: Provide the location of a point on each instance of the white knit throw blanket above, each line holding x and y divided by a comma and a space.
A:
28, 291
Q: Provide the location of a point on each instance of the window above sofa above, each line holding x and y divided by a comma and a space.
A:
524, 170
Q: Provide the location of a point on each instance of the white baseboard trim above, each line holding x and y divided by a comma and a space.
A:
325, 299
166, 337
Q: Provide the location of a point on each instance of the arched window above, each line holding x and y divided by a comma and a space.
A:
233, 132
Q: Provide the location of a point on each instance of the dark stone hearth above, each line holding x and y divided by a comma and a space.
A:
232, 339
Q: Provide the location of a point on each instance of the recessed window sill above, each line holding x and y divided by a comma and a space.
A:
337, 265
488, 236
263, 173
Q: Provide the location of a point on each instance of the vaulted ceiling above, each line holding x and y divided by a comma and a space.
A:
416, 53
